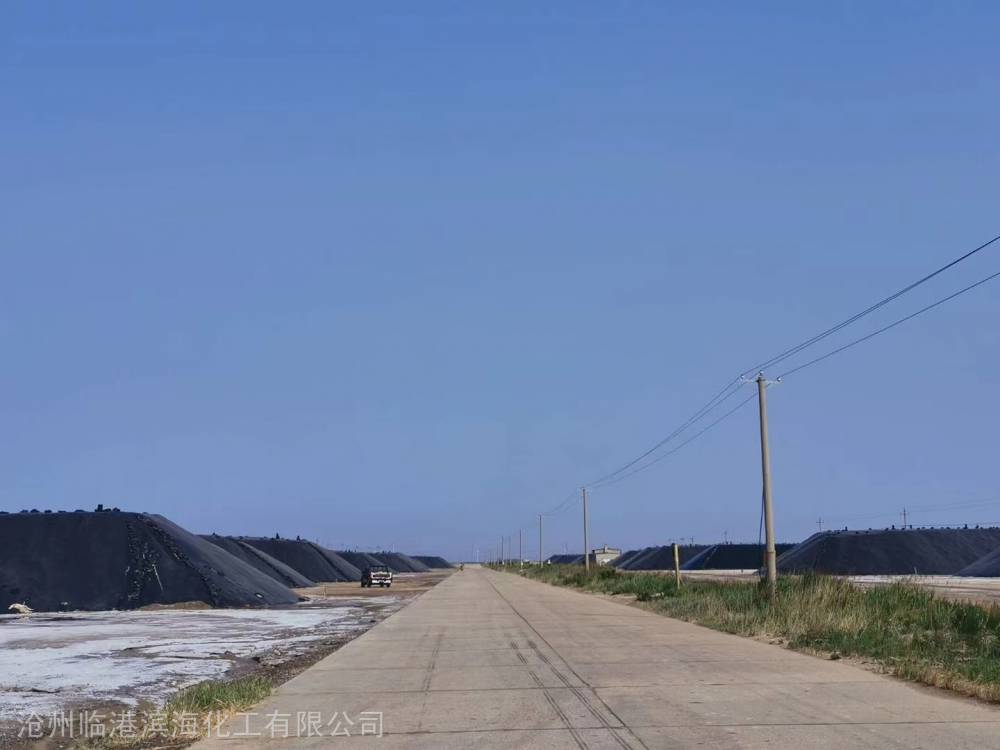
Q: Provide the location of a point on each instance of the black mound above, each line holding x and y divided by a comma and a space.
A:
348, 570
661, 558
570, 559
260, 560
625, 557
359, 560
400, 563
890, 551
309, 559
433, 562
732, 557
114, 560
987, 566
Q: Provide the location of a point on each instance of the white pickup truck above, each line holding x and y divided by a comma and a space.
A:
376, 575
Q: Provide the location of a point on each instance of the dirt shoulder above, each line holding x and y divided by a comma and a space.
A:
405, 585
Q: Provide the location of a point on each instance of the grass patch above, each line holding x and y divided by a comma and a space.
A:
220, 695
185, 717
904, 629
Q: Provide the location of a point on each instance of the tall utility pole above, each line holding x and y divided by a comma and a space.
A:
520, 550
677, 565
500, 552
539, 538
765, 467
819, 522
586, 532
904, 519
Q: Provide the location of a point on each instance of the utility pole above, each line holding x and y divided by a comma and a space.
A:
520, 550
677, 565
819, 522
586, 532
539, 539
500, 552
904, 519
765, 466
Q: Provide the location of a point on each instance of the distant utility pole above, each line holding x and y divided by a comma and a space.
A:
904, 518
500, 552
586, 532
725, 537
539, 538
819, 522
677, 565
520, 550
765, 466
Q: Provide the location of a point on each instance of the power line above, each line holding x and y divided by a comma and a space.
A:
570, 497
717, 400
955, 506
920, 509
867, 311
733, 386
873, 334
672, 451
635, 466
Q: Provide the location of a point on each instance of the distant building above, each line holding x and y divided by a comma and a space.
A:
604, 555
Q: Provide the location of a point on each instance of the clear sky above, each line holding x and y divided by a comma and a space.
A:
408, 273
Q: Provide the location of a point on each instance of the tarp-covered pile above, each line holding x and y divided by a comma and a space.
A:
570, 559
116, 560
359, 560
400, 563
656, 558
732, 557
260, 560
987, 566
891, 551
314, 562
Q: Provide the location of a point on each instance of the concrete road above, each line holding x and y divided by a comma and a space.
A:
490, 660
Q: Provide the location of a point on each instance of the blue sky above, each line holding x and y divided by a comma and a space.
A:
407, 274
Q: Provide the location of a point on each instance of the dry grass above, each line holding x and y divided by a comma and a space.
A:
203, 705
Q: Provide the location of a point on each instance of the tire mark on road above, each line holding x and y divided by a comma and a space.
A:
628, 743
580, 742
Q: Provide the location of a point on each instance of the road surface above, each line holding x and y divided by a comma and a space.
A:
490, 660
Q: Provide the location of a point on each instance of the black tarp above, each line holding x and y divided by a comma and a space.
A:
348, 570
626, 557
568, 559
401, 563
433, 561
359, 560
261, 560
636, 562
309, 559
732, 557
987, 566
890, 551
117, 560
661, 558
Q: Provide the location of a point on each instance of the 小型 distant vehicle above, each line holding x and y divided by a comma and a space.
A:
376, 575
